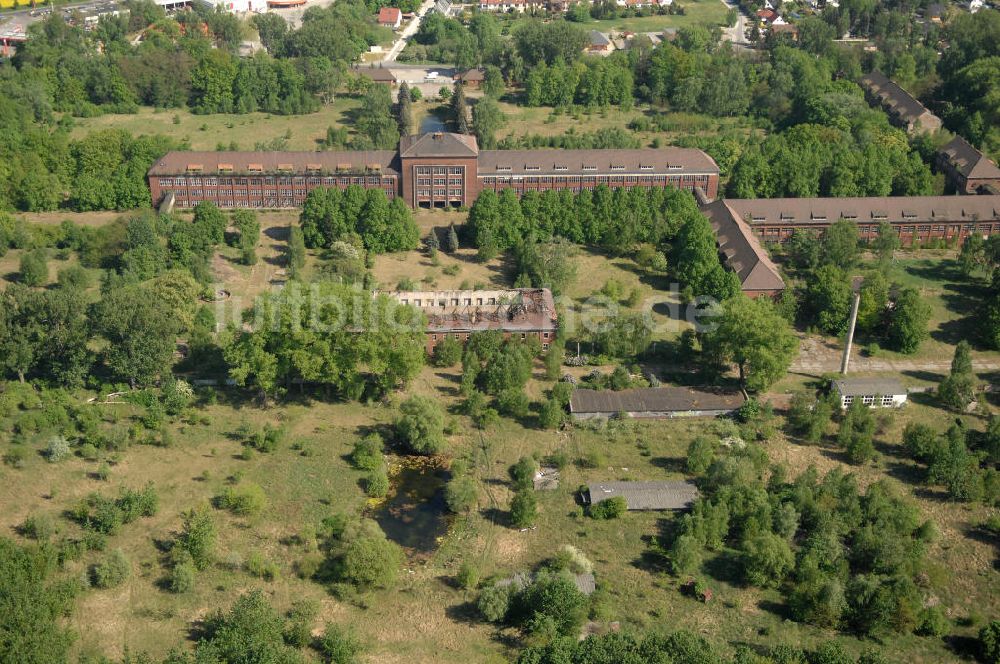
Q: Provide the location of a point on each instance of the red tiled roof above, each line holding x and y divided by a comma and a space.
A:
389, 15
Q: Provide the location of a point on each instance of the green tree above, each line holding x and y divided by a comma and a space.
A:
887, 242
34, 269
840, 244
112, 571
371, 562
989, 642
857, 431
753, 335
404, 110
141, 332
447, 352
767, 559
908, 324
487, 120
686, 555
957, 390
33, 605
198, 536
420, 425
251, 631
828, 299
522, 473
700, 453
339, 646
523, 509
873, 303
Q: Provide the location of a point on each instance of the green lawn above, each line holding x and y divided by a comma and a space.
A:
205, 132
697, 12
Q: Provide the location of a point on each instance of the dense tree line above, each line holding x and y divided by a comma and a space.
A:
969, 70
358, 216
315, 339
618, 220
148, 297
681, 647
842, 558
892, 315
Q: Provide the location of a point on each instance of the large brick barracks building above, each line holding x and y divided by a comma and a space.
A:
428, 170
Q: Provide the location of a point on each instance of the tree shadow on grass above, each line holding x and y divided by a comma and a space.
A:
672, 464
966, 647
724, 566
466, 613
775, 608
497, 516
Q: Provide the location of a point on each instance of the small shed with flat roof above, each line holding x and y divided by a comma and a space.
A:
873, 392
669, 495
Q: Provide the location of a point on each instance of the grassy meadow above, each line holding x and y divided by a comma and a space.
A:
426, 617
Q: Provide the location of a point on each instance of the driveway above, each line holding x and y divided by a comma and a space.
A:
411, 29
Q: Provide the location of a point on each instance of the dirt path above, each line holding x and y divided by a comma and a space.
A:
817, 357
245, 284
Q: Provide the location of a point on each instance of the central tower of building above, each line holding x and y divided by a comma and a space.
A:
439, 169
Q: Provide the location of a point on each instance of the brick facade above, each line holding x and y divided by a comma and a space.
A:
428, 170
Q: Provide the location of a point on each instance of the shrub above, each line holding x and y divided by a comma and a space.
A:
468, 575
38, 527
523, 509
377, 484
338, 645
112, 571
421, 425
572, 559
612, 508
298, 628
15, 457
198, 536
34, 270
448, 352
57, 449
460, 494
494, 602
367, 453
246, 500
989, 642
182, 577
593, 459
259, 566
370, 562
932, 622
523, 472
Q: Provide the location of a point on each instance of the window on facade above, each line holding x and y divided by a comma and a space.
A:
868, 399
886, 400
848, 401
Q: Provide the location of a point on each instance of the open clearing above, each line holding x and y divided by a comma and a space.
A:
426, 618
206, 132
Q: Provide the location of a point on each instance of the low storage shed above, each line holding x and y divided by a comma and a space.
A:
658, 402
675, 495
873, 392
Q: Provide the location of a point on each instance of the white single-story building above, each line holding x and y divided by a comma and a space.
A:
873, 392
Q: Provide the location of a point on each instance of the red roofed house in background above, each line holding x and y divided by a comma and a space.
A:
390, 17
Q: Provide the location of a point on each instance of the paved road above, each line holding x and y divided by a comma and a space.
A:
408, 32
736, 34
25, 17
